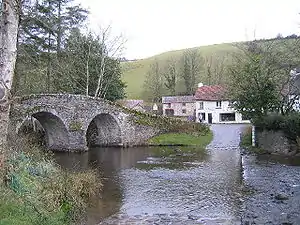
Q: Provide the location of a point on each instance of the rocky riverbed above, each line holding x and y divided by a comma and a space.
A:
273, 185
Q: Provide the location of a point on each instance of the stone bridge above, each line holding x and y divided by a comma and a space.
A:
75, 122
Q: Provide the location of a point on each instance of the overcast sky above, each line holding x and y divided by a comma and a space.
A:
155, 26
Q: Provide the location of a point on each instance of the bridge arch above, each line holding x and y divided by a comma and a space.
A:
103, 130
55, 132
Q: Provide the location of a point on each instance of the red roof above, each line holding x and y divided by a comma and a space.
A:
211, 93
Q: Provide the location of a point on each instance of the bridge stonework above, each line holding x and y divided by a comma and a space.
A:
74, 122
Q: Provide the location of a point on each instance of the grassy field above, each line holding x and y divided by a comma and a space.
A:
134, 72
182, 139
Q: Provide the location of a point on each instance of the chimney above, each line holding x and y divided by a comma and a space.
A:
200, 85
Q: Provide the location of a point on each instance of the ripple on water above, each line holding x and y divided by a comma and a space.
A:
173, 186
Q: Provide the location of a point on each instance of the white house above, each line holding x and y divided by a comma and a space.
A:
212, 106
181, 106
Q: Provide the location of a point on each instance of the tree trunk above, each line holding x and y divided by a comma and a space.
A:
59, 32
8, 50
49, 65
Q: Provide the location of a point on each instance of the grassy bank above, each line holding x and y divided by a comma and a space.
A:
201, 140
246, 141
35, 190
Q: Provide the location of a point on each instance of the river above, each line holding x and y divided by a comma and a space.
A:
177, 185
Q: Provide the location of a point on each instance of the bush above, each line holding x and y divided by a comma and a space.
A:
172, 125
289, 124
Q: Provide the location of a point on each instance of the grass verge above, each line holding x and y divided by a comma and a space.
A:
35, 190
246, 142
201, 140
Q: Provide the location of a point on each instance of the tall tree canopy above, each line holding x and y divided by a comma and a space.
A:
259, 77
54, 56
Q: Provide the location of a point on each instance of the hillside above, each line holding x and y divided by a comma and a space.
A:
134, 72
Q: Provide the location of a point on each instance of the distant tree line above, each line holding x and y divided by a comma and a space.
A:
279, 36
180, 76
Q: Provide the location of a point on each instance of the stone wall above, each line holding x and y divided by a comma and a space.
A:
67, 118
275, 142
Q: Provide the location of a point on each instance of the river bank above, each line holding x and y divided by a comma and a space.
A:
272, 183
274, 190
34, 189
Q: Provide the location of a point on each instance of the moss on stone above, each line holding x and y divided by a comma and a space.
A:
75, 126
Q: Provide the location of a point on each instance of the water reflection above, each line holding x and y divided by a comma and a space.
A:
149, 182
108, 162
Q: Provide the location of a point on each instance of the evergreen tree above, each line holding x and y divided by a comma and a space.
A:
45, 26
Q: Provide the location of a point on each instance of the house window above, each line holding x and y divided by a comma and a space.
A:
218, 104
201, 117
201, 105
169, 105
183, 104
184, 111
227, 117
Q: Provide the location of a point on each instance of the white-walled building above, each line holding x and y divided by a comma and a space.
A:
212, 106
182, 106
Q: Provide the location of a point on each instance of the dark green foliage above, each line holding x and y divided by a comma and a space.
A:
44, 29
289, 124
54, 57
270, 122
167, 124
257, 80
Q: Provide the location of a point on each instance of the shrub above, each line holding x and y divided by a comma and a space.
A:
289, 124
167, 124
42, 190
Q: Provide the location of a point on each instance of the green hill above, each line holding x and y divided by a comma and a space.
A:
134, 72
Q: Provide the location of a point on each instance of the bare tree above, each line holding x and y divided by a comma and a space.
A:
215, 69
10, 13
192, 65
112, 47
209, 73
170, 75
154, 83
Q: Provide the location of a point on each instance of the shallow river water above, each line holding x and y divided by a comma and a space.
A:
175, 185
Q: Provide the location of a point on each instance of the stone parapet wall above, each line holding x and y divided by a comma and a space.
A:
67, 119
